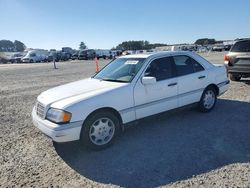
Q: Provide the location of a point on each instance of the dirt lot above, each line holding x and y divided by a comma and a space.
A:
181, 148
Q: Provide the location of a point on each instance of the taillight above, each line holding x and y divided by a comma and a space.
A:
226, 58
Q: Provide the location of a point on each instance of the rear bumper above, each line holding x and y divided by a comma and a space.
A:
58, 133
239, 73
236, 70
223, 87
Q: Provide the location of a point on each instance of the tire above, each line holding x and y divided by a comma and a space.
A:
234, 78
100, 130
208, 100
31, 61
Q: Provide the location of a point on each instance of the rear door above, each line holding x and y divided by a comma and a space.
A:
192, 78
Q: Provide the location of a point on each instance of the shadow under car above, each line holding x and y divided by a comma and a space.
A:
168, 147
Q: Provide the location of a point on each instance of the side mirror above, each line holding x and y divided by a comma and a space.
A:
148, 80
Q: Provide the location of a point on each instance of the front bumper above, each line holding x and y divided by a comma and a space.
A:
58, 133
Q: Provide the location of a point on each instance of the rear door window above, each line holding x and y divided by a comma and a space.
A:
186, 65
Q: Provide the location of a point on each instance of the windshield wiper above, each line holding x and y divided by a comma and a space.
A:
113, 80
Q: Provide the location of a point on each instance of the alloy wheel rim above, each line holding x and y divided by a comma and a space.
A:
209, 99
102, 131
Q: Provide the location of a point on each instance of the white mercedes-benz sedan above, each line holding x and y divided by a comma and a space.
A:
129, 88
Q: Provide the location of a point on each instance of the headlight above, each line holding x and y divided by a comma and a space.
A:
58, 116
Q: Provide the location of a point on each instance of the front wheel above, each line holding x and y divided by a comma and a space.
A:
208, 100
100, 130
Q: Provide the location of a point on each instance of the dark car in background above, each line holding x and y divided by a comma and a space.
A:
87, 54
65, 56
50, 57
55, 56
227, 47
238, 60
75, 55
58, 56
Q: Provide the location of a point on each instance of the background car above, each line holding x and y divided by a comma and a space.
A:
16, 58
34, 56
237, 60
87, 54
64, 56
218, 48
75, 55
228, 47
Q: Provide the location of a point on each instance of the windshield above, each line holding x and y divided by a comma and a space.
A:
120, 70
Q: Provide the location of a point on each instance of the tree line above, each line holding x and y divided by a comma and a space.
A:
137, 45
18, 46
145, 45
9, 46
206, 41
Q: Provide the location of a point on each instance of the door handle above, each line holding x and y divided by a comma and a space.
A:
201, 77
172, 84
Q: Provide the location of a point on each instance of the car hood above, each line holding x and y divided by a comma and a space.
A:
86, 88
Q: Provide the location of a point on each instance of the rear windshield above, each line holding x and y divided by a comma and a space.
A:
242, 46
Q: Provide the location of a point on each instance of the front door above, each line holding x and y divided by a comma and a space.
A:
160, 96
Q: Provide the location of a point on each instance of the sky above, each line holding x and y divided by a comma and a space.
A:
52, 24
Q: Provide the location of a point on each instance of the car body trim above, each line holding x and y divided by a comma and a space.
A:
160, 101
223, 83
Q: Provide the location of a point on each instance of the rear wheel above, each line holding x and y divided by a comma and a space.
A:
234, 78
208, 100
100, 130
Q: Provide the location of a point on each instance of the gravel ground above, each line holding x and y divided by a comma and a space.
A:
181, 148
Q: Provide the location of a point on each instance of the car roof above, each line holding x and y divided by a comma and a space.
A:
156, 54
242, 39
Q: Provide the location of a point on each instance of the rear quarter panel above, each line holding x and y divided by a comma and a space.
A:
219, 73
218, 76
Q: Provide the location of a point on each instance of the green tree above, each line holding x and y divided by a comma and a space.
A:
137, 45
19, 46
6, 46
205, 41
82, 46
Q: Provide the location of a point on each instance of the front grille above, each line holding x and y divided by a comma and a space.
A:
40, 109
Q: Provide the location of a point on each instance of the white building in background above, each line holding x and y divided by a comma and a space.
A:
177, 47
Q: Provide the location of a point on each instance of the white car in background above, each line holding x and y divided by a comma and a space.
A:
131, 87
34, 56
